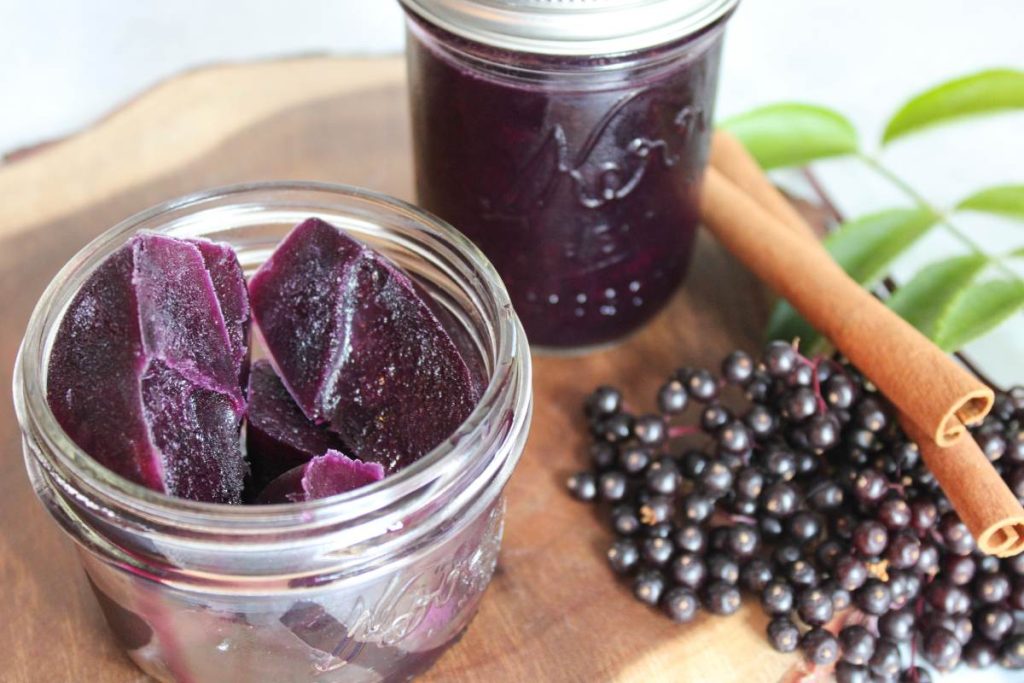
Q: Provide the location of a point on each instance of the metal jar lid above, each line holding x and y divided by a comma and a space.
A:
571, 27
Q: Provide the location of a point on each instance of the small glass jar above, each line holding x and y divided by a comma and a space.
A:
370, 585
568, 139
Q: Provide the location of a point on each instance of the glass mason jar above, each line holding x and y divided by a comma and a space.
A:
568, 139
370, 585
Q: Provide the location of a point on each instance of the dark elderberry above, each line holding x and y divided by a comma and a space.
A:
838, 392
780, 358
734, 437
804, 527
780, 499
915, 674
723, 568
814, 606
716, 479
623, 556
785, 555
801, 573
904, 550
778, 598
885, 662
701, 385
625, 520
870, 486
942, 649
583, 486
603, 455
994, 623
743, 540
857, 643
721, 598
841, 598
634, 459
873, 597
755, 575
662, 476
897, 625
894, 513
616, 428
760, 420
690, 538
689, 570
656, 510
613, 486
681, 604
826, 496
799, 404
820, 646
738, 367
696, 507
714, 417
1011, 654
694, 463
649, 429
955, 534
656, 551
781, 464
672, 397
851, 673
822, 432
959, 569
870, 538
604, 401
980, 653
828, 553
992, 588
648, 586
783, 634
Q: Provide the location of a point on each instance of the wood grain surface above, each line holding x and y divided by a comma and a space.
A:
553, 612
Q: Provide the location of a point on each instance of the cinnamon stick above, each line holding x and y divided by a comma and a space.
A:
938, 395
977, 492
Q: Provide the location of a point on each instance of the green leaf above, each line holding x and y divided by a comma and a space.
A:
864, 247
793, 134
985, 92
1017, 253
926, 298
978, 309
1004, 200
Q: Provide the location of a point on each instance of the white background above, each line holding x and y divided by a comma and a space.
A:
64, 63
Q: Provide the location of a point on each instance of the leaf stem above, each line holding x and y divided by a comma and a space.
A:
887, 283
885, 172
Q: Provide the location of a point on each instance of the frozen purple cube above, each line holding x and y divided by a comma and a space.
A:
358, 347
324, 476
278, 436
143, 375
233, 296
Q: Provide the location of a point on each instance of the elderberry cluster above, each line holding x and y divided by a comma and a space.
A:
810, 498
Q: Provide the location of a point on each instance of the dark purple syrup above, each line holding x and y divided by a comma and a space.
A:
582, 190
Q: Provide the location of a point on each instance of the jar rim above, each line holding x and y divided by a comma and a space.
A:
34, 413
572, 27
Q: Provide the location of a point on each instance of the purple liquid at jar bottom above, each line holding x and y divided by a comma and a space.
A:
584, 200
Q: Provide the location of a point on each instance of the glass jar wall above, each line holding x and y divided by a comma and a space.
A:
572, 156
370, 585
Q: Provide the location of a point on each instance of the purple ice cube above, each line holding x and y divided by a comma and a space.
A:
143, 374
278, 436
323, 476
358, 347
232, 295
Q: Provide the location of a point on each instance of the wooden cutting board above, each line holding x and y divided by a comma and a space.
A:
553, 612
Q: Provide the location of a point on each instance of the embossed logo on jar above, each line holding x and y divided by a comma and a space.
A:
415, 606
610, 160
